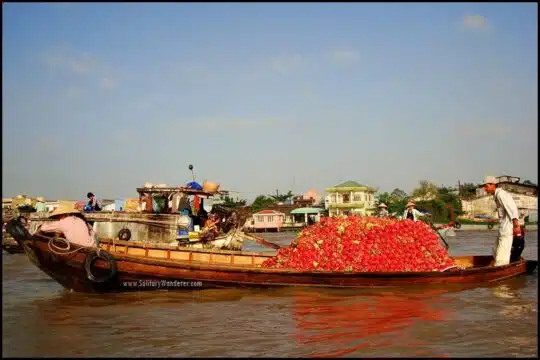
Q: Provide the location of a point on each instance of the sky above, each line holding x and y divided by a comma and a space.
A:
263, 96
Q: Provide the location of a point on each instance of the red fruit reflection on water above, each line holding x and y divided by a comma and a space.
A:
333, 325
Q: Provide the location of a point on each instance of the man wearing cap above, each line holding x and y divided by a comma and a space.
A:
72, 224
383, 210
508, 221
411, 213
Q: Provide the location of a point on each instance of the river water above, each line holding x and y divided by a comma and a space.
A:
41, 319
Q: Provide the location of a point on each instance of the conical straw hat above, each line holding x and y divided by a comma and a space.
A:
64, 209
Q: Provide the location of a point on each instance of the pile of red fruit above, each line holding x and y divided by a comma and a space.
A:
365, 244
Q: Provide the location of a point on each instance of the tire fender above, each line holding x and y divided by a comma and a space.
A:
92, 256
124, 234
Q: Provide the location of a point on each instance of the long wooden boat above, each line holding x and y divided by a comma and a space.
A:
125, 266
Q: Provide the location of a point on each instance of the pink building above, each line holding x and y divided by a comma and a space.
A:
268, 219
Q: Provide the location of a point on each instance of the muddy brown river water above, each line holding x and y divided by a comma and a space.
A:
41, 319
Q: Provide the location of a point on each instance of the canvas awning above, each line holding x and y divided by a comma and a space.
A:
307, 210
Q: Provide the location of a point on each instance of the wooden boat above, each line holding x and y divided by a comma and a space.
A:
125, 266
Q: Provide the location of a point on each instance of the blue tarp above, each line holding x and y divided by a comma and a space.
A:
194, 185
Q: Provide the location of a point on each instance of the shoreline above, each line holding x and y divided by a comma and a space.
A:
464, 227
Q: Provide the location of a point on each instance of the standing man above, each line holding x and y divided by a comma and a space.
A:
508, 221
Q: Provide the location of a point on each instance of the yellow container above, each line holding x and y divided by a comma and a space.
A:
193, 235
210, 187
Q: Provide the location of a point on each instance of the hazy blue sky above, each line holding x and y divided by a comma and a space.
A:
104, 97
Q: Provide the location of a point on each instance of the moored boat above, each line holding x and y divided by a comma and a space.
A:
125, 266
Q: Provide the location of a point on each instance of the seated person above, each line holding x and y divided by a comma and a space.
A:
93, 203
210, 230
72, 224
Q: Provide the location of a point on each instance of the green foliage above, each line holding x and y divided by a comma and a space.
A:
425, 190
397, 207
282, 197
398, 194
382, 198
468, 189
261, 202
229, 202
395, 201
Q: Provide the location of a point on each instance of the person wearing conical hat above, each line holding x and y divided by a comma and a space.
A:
40, 204
411, 212
72, 224
383, 210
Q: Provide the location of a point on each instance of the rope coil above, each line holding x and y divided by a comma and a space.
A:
62, 250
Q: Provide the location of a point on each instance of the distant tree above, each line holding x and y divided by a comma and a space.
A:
426, 190
467, 189
397, 207
398, 194
528, 182
381, 198
229, 202
282, 197
395, 201
261, 202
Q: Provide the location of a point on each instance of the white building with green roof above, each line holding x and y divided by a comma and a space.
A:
350, 198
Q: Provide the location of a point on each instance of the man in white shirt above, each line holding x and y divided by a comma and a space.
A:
508, 221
